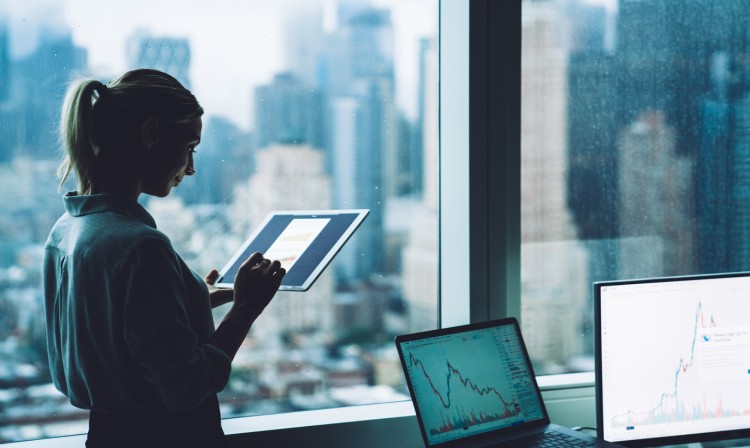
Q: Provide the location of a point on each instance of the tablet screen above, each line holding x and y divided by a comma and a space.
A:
303, 241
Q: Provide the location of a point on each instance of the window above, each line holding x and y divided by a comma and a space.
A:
634, 155
319, 105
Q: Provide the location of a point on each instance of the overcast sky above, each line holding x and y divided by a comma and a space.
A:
235, 44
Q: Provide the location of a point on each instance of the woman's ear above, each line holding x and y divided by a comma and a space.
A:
150, 132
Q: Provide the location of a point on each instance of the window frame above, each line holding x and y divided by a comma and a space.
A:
487, 178
479, 85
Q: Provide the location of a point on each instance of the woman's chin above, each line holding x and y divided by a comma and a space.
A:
160, 192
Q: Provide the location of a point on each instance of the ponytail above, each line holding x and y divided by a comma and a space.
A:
77, 133
97, 119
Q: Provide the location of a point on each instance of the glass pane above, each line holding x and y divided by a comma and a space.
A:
309, 105
634, 155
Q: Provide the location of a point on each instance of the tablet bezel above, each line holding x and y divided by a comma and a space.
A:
315, 273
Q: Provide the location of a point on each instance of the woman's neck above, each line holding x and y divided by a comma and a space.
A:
119, 184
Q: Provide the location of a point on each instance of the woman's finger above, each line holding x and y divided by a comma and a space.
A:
211, 277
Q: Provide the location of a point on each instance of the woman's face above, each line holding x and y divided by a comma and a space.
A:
171, 158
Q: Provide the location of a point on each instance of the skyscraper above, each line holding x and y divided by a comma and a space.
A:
276, 185
713, 173
592, 124
4, 62
224, 158
688, 59
6, 150
304, 43
739, 230
421, 254
656, 203
664, 54
723, 184
39, 81
554, 279
168, 54
289, 111
663, 61
416, 161
358, 80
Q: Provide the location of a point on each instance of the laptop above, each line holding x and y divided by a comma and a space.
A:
474, 386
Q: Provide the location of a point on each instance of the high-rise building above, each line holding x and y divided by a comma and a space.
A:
592, 133
357, 176
713, 172
664, 51
554, 279
739, 230
656, 203
416, 149
38, 84
4, 62
544, 211
223, 159
289, 111
303, 45
723, 184
420, 256
670, 56
593, 162
6, 149
358, 80
361, 47
288, 177
592, 126
34, 206
688, 60
587, 26
168, 54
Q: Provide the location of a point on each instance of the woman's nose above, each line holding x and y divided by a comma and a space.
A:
190, 169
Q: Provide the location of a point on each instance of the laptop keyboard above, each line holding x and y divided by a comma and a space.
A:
550, 439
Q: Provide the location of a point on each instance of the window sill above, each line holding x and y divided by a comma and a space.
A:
322, 417
270, 430
566, 381
341, 426
375, 411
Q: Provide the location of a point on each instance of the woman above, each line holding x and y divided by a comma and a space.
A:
130, 333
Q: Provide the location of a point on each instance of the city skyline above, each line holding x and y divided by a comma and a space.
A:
634, 163
326, 348
250, 48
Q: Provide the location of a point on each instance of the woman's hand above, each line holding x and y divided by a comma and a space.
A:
217, 296
256, 283
254, 286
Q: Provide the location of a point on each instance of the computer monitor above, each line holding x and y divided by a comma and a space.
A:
673, 359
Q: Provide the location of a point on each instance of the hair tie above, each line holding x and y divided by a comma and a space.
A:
103, 90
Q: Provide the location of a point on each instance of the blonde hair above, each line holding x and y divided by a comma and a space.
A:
97, 118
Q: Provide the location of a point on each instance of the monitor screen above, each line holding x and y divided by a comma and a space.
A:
673, 359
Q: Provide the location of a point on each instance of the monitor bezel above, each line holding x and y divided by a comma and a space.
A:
654, 441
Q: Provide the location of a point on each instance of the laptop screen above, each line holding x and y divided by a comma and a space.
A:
673, 362
470, 380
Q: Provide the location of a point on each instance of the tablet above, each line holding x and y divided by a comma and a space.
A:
303, 241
